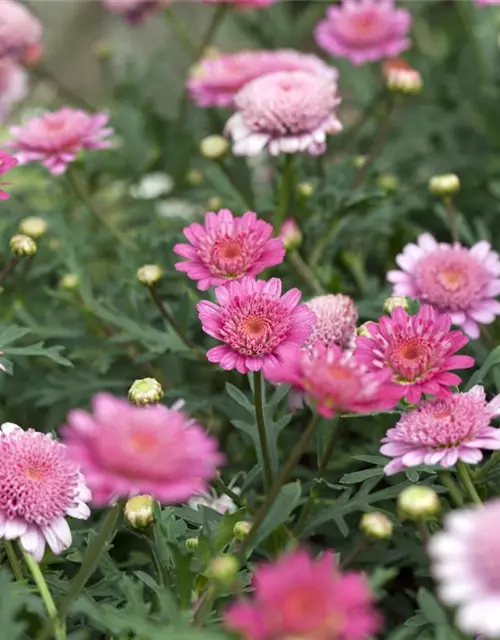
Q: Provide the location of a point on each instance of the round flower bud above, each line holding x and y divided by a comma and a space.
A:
194, 177
149, 274
388, 182
214, 147
103, 51
305, 189
400, 77
376, 525
139, 511
192, 544
241, 530
223, 569
444, 186
291, 234
362, 330
22, 245
395, 301
214, 203
69, 281
144, 392
33, 227
418, 503
359, 161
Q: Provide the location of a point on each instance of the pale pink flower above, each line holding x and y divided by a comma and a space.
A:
20, 32
7, 162
135, 10
255, 322
443, 431
297, 596
481, 2
221, 504
39, 486
466, 564
456, 280
291, 234
215, 80
56, 138
364, 30
13, 85
285, 112
227, 248
336, 318
125, 450
418, 350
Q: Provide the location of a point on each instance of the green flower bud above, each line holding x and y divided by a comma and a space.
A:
223, 569
194, 177
139, 511
214, 203
144, 392
22, 245
395, 301
149, 274
362, 330
241, 530
444, 186
388, 182
69, 281
34, 227
192, 544
214, 147
305, 189
359, 161
418, 503
376, 525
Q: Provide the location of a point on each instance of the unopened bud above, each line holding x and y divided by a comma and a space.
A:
376, 525
444, 186
305, 189
103, 51
388, 182
149, 274
291, 234
194, 177
395, 301
362, 330
22, 245
139, 512
241, 530
402, 78
69, 281
214, 147
34, 227
223, 569
359, 161
192, 544
214, 203
418, 503
145, 391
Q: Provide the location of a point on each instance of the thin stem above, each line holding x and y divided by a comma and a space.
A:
357, 551
451, 216
305, 273
213, 27
466, 480
10, 266
57, 620
221, 486
261, 427
453, 488
182, 32
43, 74
203, 606
285, 192
14, 562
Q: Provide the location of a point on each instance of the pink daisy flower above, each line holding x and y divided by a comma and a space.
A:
336, 382
6, 163
56, 138
364, 30
39, 487
255, 322
456, 280
297, 596
126, 450
135, 10
466, 564
215, 80
418, 350
336, 318
13, 85
443, 431
228, 248
20, 32
285, 112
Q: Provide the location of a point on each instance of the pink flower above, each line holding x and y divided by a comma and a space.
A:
13, 85
291, 234
56, 138
466, 564
443, 431
215, 80
242, 3
39, 487
300, 597
285, 112
227, 248
255, 322
454, 279
336, 382
418, 350
364, 30
126, 450
481, 2
6, 163
135, 10
20, 32
336, 318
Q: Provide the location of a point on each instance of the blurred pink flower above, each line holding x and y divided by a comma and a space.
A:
6, 163
255, 322
39, 487
242, 3
290, 234
20, 33
336, 318
364, 30
13, 85
135, 10
454, 279
481, 2
227, 248
56, 138
215, 80
418, 350
125, 450
300, 597
443, 431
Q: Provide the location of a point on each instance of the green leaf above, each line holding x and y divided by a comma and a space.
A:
239, 397
288, 498
39, 349
431, 609
491, 361
10, 605
360, 476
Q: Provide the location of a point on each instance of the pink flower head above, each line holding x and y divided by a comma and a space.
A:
242, 3
56, 138
215, 80
297, 596
466, 564
285, 112
418, 350
443, 431
6, 163
456, 280
364, 30
337, 382
126, 450
481, 2
336, 318
228, 248
135, 10
255, 322
39, 487
13, 85
20, 32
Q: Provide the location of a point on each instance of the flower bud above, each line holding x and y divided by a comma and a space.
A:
214, 203
194, 177
69, 281
362, 330
305, 189
359, 161
149, 274
388, 182
144, 392
395, 301
223, 569
214, 147
444, 186
103, 51
241, 530
376, 525
401, 78
418, 503
291, 234
139, 511
192, 544
22, 245
34, 227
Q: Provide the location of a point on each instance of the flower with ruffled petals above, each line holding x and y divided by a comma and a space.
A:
20, 33
39, 486
13, 85
124, 450
418, 350
6, 163
443, 431
56, 138
336, 318
297, 596
255, 322
228, 248
135, 10
466, 564
285, 112
215, 80
364, 30
454, 279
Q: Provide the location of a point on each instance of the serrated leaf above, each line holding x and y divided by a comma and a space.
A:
39, 349
288, 498
239, 397
491, 361
360, 476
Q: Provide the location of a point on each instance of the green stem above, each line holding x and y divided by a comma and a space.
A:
14, 562
466, 480
453, 488
204, 606
57, 620
10, 266
285, 192
451, 216
488, 465
221, 486
182, 32
213, 27
305, 273
261, 427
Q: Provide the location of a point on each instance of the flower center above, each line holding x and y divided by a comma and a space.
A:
410, 358
255, 326
451, 279
230, 250
143, 441
34, 472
